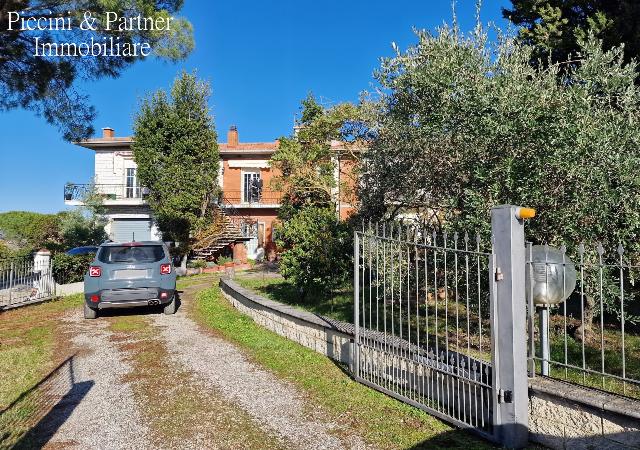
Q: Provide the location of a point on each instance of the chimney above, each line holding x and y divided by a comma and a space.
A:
232, 136
107, 133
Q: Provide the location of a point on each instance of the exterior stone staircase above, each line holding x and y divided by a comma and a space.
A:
224, 230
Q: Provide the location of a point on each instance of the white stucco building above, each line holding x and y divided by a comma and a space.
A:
115, 180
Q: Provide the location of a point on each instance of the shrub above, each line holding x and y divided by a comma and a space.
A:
318, 250
70, 268
79, 228
223, 260
197, 264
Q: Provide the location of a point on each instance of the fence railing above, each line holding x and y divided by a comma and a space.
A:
81, 192
592, 338
263, 197
440, 323
24, 280
422, 316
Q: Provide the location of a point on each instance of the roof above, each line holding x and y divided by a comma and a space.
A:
102, 142
245, 148
249, 146
225, 148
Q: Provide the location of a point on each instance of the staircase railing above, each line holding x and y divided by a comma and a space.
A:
234, 215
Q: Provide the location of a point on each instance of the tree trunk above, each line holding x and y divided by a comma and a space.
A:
586, 327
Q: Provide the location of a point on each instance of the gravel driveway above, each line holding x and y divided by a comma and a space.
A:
101, 411
119, 357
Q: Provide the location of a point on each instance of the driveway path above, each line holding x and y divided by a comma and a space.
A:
156, 381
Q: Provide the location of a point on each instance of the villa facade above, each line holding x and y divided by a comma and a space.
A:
244, 180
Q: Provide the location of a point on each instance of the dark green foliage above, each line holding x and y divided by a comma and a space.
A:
46, 84
307, 161
31, 230
316, 243
466, 125
28, 231
78, 229
318, 254
70, 268
5, 251
177, 155
223, 260
555, 27
197, 264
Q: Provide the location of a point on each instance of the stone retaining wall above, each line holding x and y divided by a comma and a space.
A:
561, 415
567, 416
303, 327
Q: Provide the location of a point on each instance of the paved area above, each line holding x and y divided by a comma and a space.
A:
147, 380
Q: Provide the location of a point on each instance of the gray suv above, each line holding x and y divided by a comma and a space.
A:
125, 275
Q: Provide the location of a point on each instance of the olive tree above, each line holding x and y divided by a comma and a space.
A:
465, 124
316, 244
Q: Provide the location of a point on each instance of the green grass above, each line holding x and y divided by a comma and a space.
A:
377, 418
338, 304
190, 280
127, 323
593, 358
30, 347
28, 337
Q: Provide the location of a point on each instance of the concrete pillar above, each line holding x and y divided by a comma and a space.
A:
508, 328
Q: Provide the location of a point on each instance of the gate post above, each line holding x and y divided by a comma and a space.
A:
508, 327
355, 349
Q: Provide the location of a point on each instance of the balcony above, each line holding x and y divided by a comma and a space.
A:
110, 194
262, 199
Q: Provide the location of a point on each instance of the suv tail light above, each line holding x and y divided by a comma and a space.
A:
95, 271
165, 269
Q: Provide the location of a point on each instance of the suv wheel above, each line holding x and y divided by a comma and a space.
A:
170, 308
90, 313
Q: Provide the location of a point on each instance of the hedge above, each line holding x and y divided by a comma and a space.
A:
70, 268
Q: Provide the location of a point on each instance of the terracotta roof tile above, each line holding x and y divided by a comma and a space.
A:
250, 146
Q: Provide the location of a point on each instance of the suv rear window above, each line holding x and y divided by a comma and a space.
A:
131, 254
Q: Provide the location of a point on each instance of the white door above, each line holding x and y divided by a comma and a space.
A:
250, 192
251, 230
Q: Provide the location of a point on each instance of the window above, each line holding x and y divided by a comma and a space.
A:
132, 190
131, 254
252, 187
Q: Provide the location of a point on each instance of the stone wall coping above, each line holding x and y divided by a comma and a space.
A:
229, 285
539, 385
586, 396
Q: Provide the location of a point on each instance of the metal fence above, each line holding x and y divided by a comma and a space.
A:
593, 338
24, 280
423, 321
440, 323
257, 198
80, 192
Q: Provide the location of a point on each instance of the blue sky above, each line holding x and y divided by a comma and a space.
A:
261, 57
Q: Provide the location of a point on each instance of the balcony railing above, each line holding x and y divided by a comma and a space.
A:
261, 198
81, 192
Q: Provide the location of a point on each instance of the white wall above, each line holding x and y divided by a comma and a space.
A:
110, 166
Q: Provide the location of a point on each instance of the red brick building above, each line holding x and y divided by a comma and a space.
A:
247, 198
